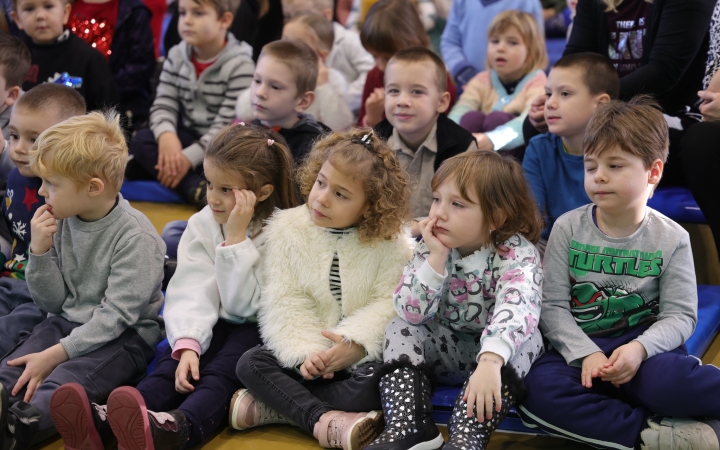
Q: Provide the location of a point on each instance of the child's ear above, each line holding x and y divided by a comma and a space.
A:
96, 187
15, 19
13, 95
323, 54
66, 12
226, 20
304, 101
656, 171
444, 102
602, 98
265, 191
498, 220
328, 13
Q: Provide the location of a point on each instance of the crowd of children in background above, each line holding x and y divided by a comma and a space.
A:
365, 230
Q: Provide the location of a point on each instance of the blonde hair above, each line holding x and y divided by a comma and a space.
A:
636, 127
533, 38
81, 148
502, 192
222, 6
382, 177
391, 26
320, 29
613, 4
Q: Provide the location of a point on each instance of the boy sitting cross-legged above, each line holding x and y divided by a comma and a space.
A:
416, 127
38, 109
619, 302
553, 161
199, 85
96, 266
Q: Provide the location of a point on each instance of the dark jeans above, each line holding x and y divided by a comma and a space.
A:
701, 161
171, 234
116, 363
670, 384
144, 148
18, 313
303, 401
206, 409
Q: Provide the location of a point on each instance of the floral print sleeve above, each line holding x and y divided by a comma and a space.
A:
420, 291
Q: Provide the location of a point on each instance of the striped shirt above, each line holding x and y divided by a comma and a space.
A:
335, 284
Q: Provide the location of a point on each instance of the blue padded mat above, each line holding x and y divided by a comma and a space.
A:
148, 191
707, 328
678, 204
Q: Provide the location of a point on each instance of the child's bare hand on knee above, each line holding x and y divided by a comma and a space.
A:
484, 387
341, 355
42, 228
591, 367
189, 365
38, 366
313, 366
624, 363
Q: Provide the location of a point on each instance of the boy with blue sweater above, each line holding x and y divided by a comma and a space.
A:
96, 267
38, 109
553, 161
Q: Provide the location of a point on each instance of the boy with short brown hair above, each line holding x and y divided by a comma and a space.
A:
619, 302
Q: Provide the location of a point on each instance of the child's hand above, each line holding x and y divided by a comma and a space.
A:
710, 107
483, 142
375, 107
438, 252
184, 166
189, 364
484, 386
537, 114
341, 355
169, 150
240, 216
42, 228
415, 230
624, 363
313, 366
591, 367
37, 368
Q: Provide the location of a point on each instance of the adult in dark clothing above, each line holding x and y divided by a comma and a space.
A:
257, 22
700, 147
668, 62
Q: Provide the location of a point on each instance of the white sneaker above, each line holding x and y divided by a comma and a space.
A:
679, 434
246, 411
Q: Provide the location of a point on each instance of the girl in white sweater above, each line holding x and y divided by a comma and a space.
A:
211, 303
334, 263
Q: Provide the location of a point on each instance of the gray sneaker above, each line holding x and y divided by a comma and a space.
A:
680, 434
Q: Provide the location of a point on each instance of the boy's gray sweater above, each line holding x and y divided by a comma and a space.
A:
205, 104
598, 286
105, 274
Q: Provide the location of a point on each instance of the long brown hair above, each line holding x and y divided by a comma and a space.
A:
502, 192
393, 25
247, 151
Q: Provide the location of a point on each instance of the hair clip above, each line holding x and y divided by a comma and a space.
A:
365, 141
270, 142
237, 122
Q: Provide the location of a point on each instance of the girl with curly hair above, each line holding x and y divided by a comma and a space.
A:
469, 297
334, 263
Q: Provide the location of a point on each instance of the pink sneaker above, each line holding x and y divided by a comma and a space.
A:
79, 423
246, 411
349, 431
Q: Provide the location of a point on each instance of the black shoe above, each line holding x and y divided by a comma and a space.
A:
406, 403
22, 423
466, 433
196, 195
136, 429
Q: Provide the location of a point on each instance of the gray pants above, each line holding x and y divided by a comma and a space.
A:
116, 363
18, 313
451, 354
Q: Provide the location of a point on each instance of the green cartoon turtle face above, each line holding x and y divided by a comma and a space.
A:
606, 310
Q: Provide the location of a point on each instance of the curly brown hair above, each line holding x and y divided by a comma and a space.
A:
503, 194
381, 174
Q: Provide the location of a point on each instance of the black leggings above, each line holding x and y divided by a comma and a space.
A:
701, 162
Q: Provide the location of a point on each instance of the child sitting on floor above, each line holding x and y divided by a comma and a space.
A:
495, 102
333, 263
470, 294
209, 312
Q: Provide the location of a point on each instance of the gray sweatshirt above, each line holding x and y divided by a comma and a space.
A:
104, 274
598, 286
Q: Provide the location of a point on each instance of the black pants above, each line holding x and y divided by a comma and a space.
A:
206, 409
144, 148
303, 401
116, 363
701, 161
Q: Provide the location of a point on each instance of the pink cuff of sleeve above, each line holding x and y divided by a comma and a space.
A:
183, 344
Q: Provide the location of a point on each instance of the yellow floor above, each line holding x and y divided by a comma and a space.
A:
280, 437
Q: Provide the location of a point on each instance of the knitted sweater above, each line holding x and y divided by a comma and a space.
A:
204, 104
486, 93
298, 304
